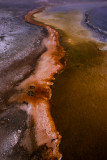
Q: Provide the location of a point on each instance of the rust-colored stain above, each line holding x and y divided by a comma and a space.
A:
36, 90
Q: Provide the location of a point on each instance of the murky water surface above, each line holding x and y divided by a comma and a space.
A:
79, 100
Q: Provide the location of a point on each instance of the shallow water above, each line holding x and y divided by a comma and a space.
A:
79, 93
98, 17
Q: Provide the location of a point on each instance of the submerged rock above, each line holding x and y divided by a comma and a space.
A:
30, 93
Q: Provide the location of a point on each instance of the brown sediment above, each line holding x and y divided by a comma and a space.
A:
36, 90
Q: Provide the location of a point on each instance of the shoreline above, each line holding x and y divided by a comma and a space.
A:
77, 89
38, 99
31, 97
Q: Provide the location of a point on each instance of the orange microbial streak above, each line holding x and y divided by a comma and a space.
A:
37, 92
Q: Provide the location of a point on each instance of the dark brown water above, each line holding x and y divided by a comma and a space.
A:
79, 105
79, 98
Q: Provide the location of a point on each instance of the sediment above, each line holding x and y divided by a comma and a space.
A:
35, 93
28, 96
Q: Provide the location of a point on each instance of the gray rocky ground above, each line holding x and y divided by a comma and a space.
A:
19, 51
